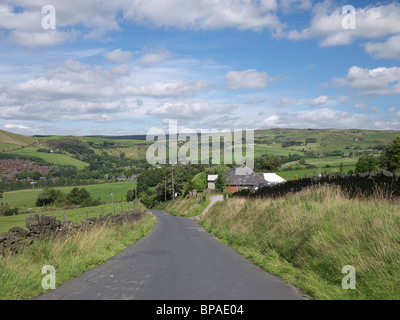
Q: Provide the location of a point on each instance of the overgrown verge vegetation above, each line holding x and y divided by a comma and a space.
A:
307, 238
185, 207
21, 277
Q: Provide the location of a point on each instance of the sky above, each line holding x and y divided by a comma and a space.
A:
122, 67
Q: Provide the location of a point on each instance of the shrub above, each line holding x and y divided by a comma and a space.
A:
6, 211
367, 163
130, 195
48, 197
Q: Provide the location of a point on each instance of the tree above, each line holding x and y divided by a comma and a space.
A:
270, 163
48, 197
393, 155
367, 163
130, 196
200, 181
220, 183
79, 197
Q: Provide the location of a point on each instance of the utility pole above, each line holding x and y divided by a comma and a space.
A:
136, 192
165, 186
173, 189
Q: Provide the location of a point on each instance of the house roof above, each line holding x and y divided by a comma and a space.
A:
244, 176
212, 178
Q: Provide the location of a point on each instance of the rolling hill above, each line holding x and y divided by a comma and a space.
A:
12, 141
317, 148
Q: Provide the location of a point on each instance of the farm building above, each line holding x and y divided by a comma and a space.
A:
242, 177
211, 179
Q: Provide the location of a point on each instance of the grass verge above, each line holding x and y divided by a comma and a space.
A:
183, 207
74, 215
307, 238
21, 277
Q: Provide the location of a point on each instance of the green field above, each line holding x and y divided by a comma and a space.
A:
288, 175
75, 215
53, 158
25, 199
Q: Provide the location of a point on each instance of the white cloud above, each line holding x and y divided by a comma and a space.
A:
255, 100
389, 49
378, 81
189, 110
16, 126
285, 101
204, 14
118, 56
372, 22
166, 89
94, 19
23, 21
154, 57
319, 101
366, 108
248, 79
71, 80
328, 118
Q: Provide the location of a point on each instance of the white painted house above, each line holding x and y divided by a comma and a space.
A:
211, 179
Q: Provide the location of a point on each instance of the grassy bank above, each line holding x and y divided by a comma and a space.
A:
307, 239
183, 207
21, 277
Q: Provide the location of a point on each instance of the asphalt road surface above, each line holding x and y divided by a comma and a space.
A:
178, 260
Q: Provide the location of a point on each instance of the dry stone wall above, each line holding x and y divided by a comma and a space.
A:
40, 226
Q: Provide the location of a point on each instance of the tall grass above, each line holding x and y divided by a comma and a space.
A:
21, 277
184, 207
307, 239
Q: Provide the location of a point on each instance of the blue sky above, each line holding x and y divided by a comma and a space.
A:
125, 66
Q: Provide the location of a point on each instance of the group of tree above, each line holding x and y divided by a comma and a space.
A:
388, 160
165, 183
266, 162
77, 197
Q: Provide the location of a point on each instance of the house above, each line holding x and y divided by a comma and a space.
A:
242, 177
211, 180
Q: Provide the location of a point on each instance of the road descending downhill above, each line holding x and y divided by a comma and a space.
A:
178, 260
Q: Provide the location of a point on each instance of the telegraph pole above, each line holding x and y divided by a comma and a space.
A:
136, 192
165, 186
173, 189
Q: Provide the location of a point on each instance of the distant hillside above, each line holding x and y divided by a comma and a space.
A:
17, 139
12, 141
300, 150
137, 137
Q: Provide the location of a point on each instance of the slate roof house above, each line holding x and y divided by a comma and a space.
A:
242, 177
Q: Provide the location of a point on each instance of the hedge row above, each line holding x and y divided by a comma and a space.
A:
385, 184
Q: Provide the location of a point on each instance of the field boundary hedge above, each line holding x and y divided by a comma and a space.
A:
385, 184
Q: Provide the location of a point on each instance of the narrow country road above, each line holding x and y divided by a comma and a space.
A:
178, 260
